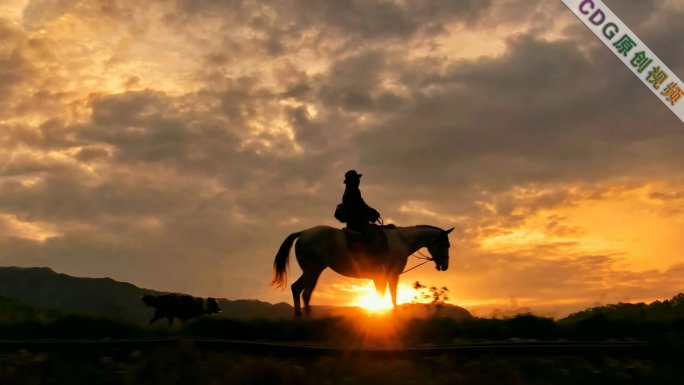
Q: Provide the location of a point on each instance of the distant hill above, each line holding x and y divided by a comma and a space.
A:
42, 287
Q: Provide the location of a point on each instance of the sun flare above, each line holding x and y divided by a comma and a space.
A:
366, 297
373, 302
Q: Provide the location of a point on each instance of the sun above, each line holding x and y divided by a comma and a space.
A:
366, 297
373, 302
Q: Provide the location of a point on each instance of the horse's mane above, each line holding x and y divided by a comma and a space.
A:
428, 227
393, 226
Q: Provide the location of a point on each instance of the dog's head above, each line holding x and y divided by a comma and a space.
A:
213, 306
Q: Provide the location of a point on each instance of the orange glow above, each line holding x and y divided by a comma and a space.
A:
373, 302
368, 298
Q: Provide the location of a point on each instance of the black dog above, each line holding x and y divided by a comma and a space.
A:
180, 306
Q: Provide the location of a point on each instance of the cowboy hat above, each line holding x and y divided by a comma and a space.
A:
351, 175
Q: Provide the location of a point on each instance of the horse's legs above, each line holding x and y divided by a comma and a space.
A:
393, 281
380, 286
297, 288
310, 284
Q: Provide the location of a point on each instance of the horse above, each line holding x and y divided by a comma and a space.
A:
321, 247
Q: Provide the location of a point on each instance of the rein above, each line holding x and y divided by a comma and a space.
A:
427, 259
422, 256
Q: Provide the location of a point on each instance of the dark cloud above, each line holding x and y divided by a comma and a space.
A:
635, 13
15, 67
540, 113
350, 81
667, 196
349, 19
89, 154
296, 91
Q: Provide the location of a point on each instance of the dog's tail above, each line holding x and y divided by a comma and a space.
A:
150, 300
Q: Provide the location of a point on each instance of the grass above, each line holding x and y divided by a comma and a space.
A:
344, 331
186, 364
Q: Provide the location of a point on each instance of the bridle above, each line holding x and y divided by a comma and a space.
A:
422, 256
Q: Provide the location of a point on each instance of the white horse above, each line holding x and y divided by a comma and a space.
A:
321, 247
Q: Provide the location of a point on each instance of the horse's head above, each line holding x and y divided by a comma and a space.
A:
439, 250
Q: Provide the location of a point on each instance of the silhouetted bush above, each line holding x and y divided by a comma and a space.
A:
441, 330
78, 326
12, 311
530, 327
665, 311
601, 327
74, 326
658, 321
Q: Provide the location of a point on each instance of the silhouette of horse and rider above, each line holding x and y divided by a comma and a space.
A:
361, 250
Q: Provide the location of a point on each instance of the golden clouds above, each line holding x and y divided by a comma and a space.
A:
203, 131
34, 230
12, 10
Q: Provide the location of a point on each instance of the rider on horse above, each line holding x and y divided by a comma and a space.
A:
360, 217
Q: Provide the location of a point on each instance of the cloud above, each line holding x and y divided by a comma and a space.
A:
189, 138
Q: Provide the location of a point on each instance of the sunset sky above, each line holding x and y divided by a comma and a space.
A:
174, 144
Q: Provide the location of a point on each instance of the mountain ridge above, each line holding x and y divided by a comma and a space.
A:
45, 288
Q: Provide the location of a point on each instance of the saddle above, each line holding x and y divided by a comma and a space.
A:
373, 243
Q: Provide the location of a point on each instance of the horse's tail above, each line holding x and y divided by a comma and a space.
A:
281, 261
